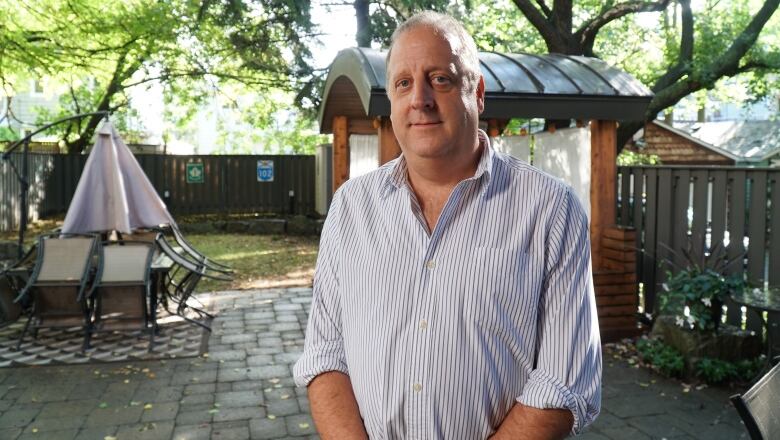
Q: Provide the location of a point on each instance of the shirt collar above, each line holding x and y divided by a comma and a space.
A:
396, 177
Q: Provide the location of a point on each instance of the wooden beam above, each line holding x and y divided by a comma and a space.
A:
603, 183
388, 144
493, 130
340, 151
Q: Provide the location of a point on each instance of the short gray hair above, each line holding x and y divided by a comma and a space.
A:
453, 31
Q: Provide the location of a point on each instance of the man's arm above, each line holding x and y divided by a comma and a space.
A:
529, 423
334, 408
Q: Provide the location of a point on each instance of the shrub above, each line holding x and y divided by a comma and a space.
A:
664, 358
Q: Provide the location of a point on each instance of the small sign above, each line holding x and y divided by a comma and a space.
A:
265, 171
195, 172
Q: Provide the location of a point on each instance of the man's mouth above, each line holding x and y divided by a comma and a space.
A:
425, 124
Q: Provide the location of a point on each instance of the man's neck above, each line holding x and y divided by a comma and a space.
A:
432, 180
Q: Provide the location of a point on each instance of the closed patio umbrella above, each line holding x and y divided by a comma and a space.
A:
113, 193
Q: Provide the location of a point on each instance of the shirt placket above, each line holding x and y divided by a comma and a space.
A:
423, 321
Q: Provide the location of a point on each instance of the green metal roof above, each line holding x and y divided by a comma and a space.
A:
522, 85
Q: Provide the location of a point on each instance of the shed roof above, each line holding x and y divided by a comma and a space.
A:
745, 141
521, 85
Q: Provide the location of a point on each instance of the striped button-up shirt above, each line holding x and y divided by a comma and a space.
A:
442, 331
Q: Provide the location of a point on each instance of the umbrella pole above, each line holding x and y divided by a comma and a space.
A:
25, 185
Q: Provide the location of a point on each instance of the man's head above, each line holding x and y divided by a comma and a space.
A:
452, 30
435, 88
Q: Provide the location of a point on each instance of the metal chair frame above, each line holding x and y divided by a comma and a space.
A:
96, 293
81, 284
756, 422
179, 288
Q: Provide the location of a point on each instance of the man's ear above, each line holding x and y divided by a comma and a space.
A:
480, 94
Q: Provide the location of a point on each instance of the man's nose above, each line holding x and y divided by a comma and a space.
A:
422, 95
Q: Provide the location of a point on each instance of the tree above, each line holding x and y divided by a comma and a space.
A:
718, 41
192, 48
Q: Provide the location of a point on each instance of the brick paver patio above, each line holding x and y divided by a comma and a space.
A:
242, 388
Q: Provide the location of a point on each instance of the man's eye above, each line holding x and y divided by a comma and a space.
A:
439, 79
402, 84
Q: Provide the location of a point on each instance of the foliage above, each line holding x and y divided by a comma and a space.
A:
664, 358
715, 371
702, 285
676, 48
628, 158
191, 48
8, 134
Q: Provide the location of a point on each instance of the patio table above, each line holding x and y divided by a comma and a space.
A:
763, 300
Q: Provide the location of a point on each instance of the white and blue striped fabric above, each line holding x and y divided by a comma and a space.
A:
441, 333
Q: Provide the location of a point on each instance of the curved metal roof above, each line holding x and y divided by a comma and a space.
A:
521, 85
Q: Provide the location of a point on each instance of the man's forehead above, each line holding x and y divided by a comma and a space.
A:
423, 45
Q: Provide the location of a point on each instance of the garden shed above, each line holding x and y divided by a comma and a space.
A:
551, 86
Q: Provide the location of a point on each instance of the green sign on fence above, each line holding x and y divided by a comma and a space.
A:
195, 172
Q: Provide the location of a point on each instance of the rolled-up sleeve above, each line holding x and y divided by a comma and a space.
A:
567, 371
324, 346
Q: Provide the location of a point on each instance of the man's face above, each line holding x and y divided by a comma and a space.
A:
434, 113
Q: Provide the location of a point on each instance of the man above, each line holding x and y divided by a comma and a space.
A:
453, 295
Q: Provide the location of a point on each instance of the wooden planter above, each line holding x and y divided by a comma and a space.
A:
615, 282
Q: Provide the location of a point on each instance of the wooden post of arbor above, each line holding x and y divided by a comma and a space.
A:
388, 144
493, 130
340, 151
603, 186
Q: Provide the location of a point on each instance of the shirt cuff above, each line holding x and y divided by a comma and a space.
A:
544, 391
316, 361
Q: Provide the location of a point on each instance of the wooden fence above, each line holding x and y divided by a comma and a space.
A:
677, 208
229, 185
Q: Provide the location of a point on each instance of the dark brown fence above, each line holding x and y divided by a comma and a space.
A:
699, 207
229, 185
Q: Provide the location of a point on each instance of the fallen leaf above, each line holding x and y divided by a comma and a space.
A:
285, 396
127, 380
103, 405
133, 403
109, 437
205, 355
274, 380
217, 405
213, 411
145, 370
34, 430
148, 406
643, 384
303, 425
271, 416
267, 390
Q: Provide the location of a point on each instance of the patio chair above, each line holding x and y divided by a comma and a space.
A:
58, 282
190, 251
121, 289
759, 407
181, 280
12, 280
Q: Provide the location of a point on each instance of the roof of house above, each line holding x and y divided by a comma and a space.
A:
745, 141
516, 85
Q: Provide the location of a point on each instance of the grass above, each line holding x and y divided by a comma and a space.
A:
260, 261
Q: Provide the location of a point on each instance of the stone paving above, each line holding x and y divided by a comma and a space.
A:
242, 388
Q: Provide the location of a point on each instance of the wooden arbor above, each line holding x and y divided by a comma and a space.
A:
517, 86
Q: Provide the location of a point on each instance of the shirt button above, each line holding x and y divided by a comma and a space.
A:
423, 324
430, 264
417, 387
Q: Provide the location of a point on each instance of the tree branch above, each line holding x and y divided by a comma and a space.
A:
729, 62
545, 9
685, 59
586, 34
540, 22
